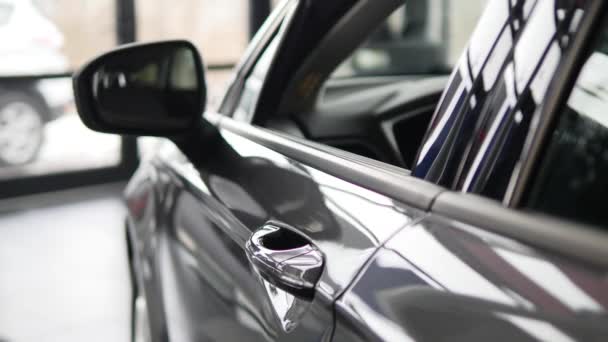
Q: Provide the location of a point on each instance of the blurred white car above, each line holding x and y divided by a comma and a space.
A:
30, 44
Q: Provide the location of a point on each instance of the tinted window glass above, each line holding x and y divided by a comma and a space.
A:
531, 81
479, 129
479, 91
573, 177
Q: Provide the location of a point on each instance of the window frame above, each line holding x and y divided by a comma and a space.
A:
272, 47
255, 50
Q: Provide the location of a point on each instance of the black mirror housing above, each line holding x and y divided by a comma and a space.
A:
149, 89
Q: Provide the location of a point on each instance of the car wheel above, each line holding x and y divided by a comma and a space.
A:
21, 129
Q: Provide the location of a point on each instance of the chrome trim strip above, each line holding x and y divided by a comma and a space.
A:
564, 237
386, 180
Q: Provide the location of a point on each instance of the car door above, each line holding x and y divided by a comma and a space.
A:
271, 191
533, 269
254, 235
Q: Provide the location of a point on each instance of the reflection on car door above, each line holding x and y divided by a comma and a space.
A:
206, 287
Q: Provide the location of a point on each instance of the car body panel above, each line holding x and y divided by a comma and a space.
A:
198, 218
393, 268
447, 281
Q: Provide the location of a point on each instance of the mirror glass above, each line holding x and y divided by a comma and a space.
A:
153, 87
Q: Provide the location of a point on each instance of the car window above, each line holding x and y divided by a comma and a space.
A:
572, 180
330, 112
418, 38
379, 100
478, 131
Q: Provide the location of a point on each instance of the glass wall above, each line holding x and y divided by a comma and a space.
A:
40, 132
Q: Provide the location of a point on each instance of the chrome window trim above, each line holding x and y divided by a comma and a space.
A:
252, 54
370, 174
569, 239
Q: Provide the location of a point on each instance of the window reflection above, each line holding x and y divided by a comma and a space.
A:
572, 179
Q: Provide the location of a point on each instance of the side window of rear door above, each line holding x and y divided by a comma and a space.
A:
572, 178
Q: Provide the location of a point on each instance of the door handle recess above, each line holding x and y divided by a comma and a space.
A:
285, 259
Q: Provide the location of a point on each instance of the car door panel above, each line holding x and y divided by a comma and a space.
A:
208, 289
144, 199
444, 280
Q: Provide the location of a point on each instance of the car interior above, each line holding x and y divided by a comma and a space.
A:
351, 95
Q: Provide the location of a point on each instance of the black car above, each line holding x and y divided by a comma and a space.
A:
373, 206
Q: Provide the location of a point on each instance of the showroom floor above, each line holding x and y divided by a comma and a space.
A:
63, 269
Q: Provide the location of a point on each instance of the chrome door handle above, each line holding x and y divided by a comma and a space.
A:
286, 259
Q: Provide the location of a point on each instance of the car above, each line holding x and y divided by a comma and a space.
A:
31, 44
375, 207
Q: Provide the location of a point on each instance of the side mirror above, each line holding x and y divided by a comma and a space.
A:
155, 89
